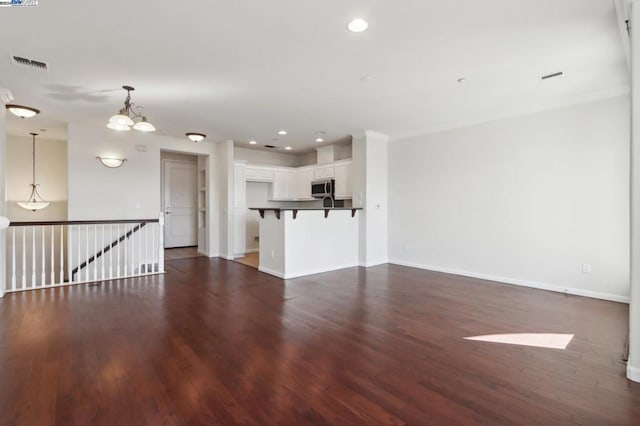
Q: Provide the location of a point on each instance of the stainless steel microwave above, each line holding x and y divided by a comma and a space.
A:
322, 188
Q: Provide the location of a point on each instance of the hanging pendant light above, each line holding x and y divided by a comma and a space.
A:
128, 118
35, 201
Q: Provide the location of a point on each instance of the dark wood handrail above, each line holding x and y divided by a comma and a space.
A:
84, 222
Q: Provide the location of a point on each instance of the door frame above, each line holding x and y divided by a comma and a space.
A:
164, 161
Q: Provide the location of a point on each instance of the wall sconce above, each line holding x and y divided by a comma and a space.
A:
112, 163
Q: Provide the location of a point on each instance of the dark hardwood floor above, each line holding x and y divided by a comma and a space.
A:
217, 342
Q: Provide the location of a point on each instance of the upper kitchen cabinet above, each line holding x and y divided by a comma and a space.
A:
323, 172
258, 174
342, 176
304, 177
284, 185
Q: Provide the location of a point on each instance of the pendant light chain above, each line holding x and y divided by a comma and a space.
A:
34, 158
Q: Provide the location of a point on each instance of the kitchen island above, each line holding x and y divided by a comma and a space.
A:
302, 241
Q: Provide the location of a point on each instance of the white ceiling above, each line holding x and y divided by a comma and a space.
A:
244, 69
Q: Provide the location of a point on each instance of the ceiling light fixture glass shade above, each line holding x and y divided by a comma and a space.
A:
127, 117
358, 25
22, 111
144, 126
118, 126
35, 201
112, 163
196, 137
121, 119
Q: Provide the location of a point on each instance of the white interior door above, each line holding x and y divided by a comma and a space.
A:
180, 203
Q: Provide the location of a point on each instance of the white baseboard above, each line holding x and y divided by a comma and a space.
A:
252, 251
633, 373
374, 263
271, 272
518, 282
305, 273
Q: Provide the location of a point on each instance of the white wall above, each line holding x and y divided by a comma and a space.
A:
370, 182
51, 175
633, 366
223, 170
3, 204
133, 190
526, 200
256, 156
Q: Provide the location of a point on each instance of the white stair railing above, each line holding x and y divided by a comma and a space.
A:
49, 254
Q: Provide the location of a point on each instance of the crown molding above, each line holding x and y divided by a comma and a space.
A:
531, 109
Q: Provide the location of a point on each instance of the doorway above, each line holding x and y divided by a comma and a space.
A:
180, 199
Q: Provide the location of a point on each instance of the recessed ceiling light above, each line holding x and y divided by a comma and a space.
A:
366, 79
252, 142
282, 132
288, 148
462, 80
319, 140
358, 25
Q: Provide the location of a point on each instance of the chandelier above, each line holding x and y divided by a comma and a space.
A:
127, 117
35, 200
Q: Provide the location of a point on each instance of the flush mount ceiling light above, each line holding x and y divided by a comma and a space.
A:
196, 137
35, 201
357, 25
22, 111
282, 132
112, 163
126, 118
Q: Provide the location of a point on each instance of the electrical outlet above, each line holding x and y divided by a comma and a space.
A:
586, 268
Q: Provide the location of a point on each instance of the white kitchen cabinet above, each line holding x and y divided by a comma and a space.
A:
259, 174
304, 178
284, 185
323, 172
342, 176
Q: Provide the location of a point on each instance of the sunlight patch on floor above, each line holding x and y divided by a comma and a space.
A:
539, 340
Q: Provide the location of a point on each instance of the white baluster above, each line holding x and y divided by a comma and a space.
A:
110, 252
95, 252
52, 264
44, 258
61, 254
126, 250
78, 274
24, 258
161, 244
70, 261
13, 261
33, 257
153, 249
86, 257
146, 249
118, 246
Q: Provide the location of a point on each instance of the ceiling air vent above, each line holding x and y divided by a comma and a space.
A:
26, 62
554, 75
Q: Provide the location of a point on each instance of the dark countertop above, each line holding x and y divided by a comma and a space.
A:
295, 211
305, 208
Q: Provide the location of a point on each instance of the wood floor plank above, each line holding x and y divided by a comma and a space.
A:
215, 342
